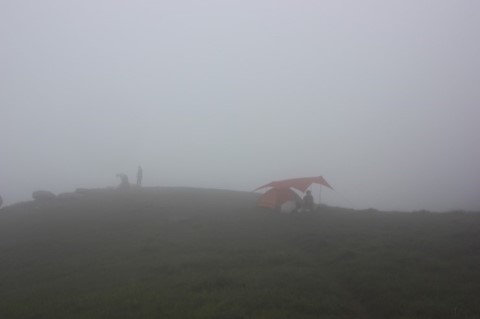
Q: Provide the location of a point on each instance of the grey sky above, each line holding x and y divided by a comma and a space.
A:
382, 98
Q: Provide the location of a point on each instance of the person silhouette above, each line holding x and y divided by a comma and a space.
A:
139, 176
124, 184
308, 202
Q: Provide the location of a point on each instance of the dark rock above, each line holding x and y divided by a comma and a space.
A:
43, 195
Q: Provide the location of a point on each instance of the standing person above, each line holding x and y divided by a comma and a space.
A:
139, 176
308, 202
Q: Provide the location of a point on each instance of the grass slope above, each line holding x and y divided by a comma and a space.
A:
193, 253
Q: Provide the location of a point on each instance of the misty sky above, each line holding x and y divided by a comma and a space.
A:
382, 98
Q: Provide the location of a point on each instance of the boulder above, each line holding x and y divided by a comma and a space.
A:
43, 195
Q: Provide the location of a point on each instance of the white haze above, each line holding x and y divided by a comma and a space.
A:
382, 98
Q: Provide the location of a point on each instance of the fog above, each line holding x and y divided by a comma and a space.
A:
379, 97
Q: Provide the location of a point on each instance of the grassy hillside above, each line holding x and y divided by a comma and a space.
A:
192, 253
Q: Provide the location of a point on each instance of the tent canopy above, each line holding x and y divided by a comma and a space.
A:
302, 184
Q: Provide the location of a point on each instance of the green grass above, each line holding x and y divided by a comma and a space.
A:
186, 253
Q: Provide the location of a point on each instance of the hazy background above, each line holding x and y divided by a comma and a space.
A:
382, 98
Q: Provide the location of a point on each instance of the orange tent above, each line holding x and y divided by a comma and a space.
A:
281, 191
302, 184
275, 197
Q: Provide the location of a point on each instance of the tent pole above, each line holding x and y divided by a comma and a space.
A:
320, 195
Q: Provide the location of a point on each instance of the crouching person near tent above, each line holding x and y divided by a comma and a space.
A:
308, 203
124, 184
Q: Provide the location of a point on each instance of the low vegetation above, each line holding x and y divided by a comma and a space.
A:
189, 253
